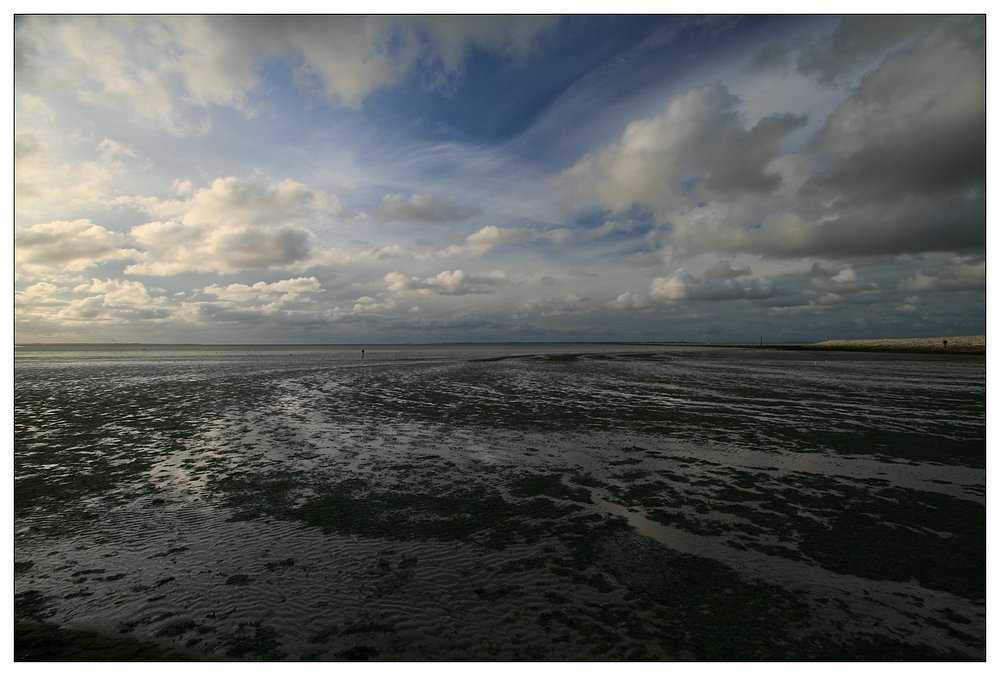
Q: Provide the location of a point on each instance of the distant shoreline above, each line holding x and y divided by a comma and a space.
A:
965, 345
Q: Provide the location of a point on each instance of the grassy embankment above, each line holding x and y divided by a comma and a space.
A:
955, 345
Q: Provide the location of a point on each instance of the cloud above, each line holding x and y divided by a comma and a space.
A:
459, 322
955, 275
484, 239
170, 248
447, 283
119, 300
723, 270
646, 259
251, 318
555, 235
697, 147
917, 124
714, 169
382, 253
277, 293
630, 301
511, 36
682, 286
612, 226
240, 202
159, 68
353, 56
899, 167
30, 157
62, 245
906, 153
232, 225
855, 40
769, 56
42, 183
570, 304
421, 209
39, 293
844, 282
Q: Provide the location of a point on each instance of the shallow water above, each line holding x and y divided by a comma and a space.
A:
579, 502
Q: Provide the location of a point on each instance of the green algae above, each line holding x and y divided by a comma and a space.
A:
280, 565
252, 639
51, 643
475, 512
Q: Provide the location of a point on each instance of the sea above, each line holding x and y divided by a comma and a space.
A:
499, 502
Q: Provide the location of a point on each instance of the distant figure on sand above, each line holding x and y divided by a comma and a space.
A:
362, 354
945, 341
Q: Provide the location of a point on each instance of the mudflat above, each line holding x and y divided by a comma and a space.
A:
571, 502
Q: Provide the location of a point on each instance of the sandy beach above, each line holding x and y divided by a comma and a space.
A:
955, 345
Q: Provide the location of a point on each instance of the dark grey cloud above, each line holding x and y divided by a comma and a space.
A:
918, 123
797, 300
723, 270
855, 40
898, 167
260, 248
770, 56
845, 282
961, 274
906, 152
741, 159
820, 270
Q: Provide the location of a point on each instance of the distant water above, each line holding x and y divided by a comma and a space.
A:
542, 502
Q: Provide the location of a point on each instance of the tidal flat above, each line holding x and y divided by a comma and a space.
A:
499, 502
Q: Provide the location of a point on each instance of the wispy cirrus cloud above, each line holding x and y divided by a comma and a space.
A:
158, 68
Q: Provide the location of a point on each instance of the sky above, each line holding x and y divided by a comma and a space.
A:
386, 179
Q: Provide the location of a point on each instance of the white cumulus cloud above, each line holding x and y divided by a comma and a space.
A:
66, 245
282, 291
484, 239
682, 286
447, 282
232, 225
